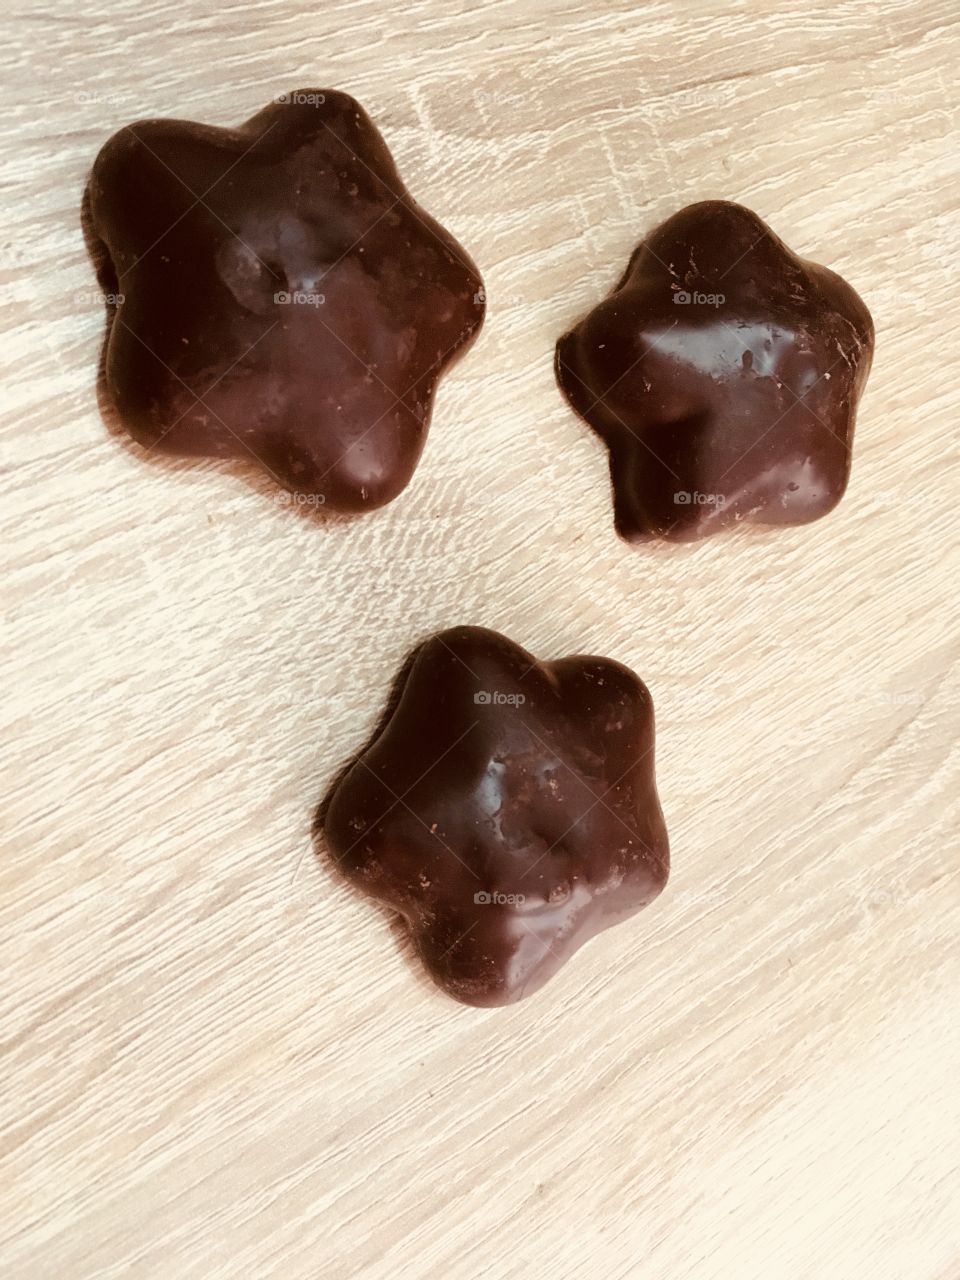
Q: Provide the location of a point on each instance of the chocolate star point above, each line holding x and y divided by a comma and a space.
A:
507, 809
284, 299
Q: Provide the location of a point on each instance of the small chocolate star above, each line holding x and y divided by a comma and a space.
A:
283, 297
723, 374
507, 809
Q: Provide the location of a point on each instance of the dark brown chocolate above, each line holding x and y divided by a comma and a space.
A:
284, 297
723, 374
507, 809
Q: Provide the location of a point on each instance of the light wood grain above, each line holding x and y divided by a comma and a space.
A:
217, 1060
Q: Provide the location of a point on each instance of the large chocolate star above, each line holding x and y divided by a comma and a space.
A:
507, 809
723, 374
283, 297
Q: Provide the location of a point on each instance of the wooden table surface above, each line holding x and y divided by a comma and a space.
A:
220, 1061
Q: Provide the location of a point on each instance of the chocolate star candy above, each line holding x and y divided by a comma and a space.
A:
723, 374
507, 809
284, 297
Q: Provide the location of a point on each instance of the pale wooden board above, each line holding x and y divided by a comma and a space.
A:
219, 1061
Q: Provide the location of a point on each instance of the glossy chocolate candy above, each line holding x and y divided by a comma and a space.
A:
507, 809
723, 374
284, 299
